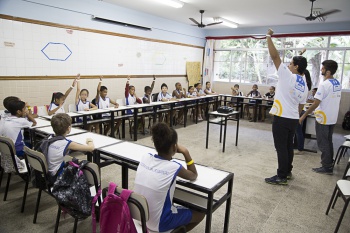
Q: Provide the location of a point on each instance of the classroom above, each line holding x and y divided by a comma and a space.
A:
256, 168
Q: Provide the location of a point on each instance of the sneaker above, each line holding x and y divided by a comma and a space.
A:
276, 180
298, 152
323, 170
289, 176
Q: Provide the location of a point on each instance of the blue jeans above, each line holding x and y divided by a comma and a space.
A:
299, 134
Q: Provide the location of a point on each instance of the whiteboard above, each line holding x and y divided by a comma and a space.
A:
29, 49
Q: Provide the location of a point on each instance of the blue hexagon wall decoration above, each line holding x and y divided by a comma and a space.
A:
56, 51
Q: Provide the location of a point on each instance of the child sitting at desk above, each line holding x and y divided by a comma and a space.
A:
82, 104
310, 98
57, 100
235, 92
12, 126
61, 125
192, 94
254, 93
164, 96
179, 93
102, 102
156, 178
270, 96
147, 98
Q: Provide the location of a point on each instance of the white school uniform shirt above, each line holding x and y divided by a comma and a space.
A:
81, 105
104, 103
291, 91
12, 127
55, 155
329, 93
162, 96
54, 106
194, 94
155, 180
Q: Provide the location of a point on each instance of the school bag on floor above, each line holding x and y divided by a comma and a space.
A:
115, 214
72, 190
346, 122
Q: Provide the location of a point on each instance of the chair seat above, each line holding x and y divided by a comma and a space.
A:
344, 187
347, 137
346, 144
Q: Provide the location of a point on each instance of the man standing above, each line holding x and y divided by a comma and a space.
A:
326, 103
290, 97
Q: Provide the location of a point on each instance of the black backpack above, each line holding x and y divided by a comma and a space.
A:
346, 122
72, 190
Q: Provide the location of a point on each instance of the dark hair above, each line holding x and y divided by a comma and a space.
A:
330, 65
163, 137
102, 88
189, 88
308, 79
256, 86
15, 105
9, 99
56, 96
147, 88
207, 82
301, 62
273, 87
163, 85
196, 85
315, 89
84, 90
60, 123
177, 83
131, 86
236, 85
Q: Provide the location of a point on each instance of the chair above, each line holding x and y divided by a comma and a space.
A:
10, 163
139, 211
347, 137
72, 108
37, 161
342, 189
341, 152
92, 173
41, 110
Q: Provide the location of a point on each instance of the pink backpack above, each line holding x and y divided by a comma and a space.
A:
115, 215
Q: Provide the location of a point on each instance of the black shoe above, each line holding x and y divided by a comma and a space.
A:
276, 180
323, 170
289, 176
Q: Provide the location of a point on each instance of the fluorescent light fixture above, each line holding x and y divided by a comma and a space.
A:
226, 22
172, 3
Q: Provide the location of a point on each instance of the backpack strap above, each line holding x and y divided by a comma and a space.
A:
94, 200
111, 187
126, 194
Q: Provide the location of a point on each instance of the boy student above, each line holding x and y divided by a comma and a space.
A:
102, 102
311, 98
326, 106
208, 89
147, 98
179, 93
12, 126
61, 125
290, 97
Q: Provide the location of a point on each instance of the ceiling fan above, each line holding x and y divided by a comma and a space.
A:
312, 17
201, 25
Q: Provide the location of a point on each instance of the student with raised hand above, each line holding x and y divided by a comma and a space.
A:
290, 97
57, 100
82, 104
156, 178
61, 124
147, 98
12, 126
326, 106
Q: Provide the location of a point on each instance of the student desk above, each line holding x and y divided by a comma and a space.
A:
73, 115
136, 108
222, 122
48, 130
123, 117
86, 114
99, 140
309, 129
39, 123
209, 181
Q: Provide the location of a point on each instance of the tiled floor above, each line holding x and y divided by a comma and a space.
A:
256, 206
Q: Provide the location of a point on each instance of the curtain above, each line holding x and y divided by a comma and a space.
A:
208, 64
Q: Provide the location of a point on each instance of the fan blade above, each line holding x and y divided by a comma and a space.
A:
292, 14
328, 13
211, 24
193, 20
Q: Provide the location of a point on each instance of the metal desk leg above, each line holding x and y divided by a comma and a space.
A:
237, 128
206, 144
255, 111
223, 149
228, 206
209, 213
171, 114
123, 124
135, 123
185, 114
125, 177
85, 122
112, 125
220, 128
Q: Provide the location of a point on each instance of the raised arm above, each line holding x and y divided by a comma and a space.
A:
78, 90
97, 98
127, 87
153, 82
272, 49
70, 88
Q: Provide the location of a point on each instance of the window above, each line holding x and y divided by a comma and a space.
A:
248, 61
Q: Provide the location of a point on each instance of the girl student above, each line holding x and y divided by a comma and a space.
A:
192, 94
102, 102
270, 96
57, 100
254, 93
82, 104
236, 92
200, 92
156, 178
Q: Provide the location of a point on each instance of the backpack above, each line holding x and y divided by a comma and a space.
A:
346, 121
115, 215
72, 190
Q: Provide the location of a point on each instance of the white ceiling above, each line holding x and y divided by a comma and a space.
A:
247, 13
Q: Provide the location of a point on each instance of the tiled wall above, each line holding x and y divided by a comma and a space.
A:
39, 92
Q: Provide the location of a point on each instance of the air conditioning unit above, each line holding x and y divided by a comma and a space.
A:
104, 20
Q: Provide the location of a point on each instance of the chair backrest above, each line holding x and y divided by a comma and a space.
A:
121, 102
154, 97
36, 160
7, 151
92, 174
72, 108
41, 110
